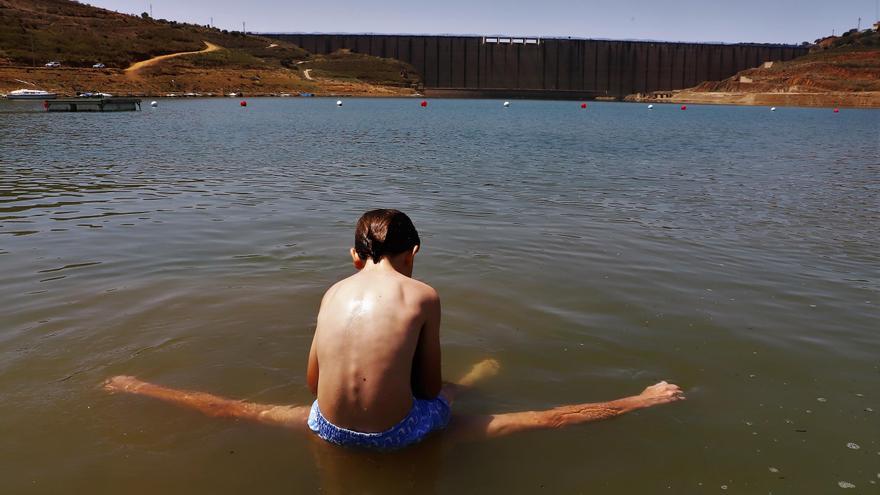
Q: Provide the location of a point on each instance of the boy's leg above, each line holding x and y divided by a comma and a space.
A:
288, 416
294, 417
497, 425
480, 371
461, 428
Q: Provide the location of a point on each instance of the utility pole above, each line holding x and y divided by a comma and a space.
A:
151, 11
212, 22
859, 28
243, 29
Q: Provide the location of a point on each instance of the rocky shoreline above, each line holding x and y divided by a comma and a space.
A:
863, 99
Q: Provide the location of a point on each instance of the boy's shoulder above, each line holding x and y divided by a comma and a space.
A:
329, 293
428, 293
409, 282
416, 290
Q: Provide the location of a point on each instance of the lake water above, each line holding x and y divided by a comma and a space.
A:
733, 251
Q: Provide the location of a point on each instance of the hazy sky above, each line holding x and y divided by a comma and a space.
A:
772, 21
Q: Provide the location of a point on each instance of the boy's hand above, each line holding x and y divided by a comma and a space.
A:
660, 393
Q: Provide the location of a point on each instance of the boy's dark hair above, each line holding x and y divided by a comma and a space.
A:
384, 233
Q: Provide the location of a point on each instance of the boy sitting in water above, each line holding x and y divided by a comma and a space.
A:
375, 357
374, 363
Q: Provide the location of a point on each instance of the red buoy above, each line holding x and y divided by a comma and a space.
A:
684, 107
583, 105
424, 103
243, 103
836, 110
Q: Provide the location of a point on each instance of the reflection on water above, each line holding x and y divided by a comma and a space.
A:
731, 250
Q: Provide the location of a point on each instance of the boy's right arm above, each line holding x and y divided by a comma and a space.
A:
312, 372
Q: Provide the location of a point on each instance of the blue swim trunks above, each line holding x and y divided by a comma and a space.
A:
424, 417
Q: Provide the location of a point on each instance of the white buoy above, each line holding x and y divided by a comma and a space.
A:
154, 104
650, 107
338, 103
506, 103
773, 109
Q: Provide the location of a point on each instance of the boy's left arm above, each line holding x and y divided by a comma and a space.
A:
312, 372
426, 373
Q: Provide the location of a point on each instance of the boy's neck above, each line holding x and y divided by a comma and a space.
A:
397, 264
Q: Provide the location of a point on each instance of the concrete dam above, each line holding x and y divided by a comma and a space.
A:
551, 67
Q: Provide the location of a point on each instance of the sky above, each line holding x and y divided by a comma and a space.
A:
729, 21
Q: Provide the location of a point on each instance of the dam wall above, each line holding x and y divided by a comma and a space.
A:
552, 66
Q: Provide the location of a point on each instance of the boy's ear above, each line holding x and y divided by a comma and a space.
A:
356, 260
411, 256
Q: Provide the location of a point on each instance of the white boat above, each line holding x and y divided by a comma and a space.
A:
30, 94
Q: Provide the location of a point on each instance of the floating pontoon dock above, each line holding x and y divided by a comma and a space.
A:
93, 105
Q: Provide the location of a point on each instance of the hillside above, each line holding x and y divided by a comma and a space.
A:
843, 71
846, 68
80, 35
33, 32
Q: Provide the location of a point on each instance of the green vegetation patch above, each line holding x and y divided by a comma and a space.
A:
858, 39
352, 66
225, 58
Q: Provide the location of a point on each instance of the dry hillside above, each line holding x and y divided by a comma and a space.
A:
79, 35
33, 32
844, 71
834, 70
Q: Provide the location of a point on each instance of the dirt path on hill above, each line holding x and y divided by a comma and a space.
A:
137, 66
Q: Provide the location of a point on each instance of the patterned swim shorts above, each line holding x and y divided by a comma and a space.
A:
424, 417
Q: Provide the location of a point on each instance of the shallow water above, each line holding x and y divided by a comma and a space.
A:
733, 251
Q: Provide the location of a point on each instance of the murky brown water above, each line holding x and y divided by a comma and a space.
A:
730, 250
